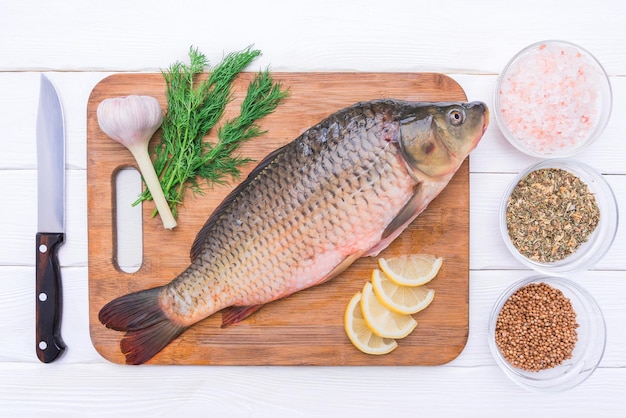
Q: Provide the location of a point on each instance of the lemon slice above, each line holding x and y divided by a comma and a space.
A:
400, 299
382, 321
360, 335
411, 270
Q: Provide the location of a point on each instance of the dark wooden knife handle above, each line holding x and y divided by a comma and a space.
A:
48, 294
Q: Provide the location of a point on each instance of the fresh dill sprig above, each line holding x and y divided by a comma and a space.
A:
195, 103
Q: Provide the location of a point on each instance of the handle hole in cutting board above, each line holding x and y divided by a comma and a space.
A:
128, 222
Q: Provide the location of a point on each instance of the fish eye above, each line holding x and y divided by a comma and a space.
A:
456, 116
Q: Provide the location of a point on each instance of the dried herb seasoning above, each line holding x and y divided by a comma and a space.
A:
550, 214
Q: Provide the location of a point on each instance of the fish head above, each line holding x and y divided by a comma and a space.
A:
435, 138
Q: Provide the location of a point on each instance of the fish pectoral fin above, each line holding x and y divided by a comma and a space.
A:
347, 262
235, 314
411, 209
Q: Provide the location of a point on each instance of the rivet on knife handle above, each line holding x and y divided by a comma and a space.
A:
49, 345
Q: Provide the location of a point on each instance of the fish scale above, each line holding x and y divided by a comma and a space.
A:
344, 189
366, 153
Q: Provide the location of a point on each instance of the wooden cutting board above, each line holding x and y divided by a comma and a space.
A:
305, 328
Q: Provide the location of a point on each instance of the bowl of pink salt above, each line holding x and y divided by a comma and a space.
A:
553, 99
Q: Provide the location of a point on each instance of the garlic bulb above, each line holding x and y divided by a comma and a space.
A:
131, 121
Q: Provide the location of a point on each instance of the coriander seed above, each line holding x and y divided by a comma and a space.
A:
536, 328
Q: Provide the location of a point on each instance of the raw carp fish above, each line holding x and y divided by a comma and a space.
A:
344, 189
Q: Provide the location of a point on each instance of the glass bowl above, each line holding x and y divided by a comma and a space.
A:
552, 99
588, 349
597, 243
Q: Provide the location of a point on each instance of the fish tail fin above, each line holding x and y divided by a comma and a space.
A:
148, 330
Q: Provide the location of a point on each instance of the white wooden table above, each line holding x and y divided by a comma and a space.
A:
78, 43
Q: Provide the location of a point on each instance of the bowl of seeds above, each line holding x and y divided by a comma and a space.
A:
558, 216
547, 333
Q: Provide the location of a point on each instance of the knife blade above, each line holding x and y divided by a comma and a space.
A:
50, 222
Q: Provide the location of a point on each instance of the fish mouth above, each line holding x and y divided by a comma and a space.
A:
485, 110
485, 119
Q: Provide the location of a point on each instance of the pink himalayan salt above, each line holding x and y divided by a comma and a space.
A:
549, 98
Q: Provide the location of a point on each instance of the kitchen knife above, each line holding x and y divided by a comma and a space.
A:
50, 222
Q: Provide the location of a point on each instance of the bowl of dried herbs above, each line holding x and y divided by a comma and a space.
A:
547, 333
559, 216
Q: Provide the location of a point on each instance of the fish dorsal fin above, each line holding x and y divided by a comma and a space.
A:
196, 247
